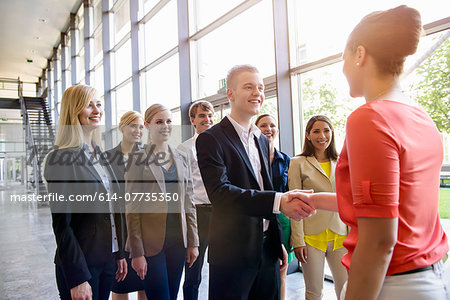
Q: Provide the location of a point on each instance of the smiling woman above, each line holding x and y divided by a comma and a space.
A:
159, 232
320, 236
84, 171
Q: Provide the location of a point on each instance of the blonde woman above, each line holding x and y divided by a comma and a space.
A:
320, 236
131, 126
161, 224
88, 234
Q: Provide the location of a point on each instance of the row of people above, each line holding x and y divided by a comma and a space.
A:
394, 237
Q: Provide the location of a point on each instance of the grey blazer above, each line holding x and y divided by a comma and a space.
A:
146, 219
305, 173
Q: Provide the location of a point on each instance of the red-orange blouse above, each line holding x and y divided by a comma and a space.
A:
389, 167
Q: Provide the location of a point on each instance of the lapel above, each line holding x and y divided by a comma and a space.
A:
233, 137
177, 160
104, 162
155, 169
81, 158
333, 167
263, 157
313, 161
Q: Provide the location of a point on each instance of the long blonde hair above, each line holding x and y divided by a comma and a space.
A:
74, 100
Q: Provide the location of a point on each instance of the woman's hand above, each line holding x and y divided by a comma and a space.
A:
82, 291
301, 254
122, 269
191, 255
139, 264
284, 261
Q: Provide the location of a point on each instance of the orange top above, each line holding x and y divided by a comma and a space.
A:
389, 167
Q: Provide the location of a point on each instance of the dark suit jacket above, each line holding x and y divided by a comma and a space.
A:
115, 159
82, 239
238, 205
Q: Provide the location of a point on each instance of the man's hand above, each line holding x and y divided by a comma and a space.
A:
82, 291
284, 261
122, 269
139, 264
301, 254
297, 205
191, 255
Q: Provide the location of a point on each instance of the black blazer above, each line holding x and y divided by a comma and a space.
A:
238, 205
115, 159
82, 229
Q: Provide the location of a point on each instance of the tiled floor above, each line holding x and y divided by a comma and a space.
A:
27, 248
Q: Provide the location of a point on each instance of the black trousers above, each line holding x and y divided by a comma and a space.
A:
242, 283
193, 275
100, 282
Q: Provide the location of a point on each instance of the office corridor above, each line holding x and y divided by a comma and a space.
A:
27, 248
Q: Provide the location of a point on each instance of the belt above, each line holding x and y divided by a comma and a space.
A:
414, 271
203, 205
430, 267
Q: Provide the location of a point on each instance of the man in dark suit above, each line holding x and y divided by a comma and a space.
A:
245, 234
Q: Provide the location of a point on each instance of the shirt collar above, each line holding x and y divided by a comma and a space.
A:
241, 131
278, 155
194, 138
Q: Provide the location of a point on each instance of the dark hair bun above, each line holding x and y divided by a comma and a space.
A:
389, 36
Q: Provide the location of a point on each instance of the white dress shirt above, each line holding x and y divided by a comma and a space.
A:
248, 141
106, 181
200, 195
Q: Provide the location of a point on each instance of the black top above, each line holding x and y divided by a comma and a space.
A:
173, 225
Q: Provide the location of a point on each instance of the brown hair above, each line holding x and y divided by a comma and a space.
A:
388, 36
204, 105
258, 119
308, 148
238, 69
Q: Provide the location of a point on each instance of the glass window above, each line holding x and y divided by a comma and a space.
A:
97, 13
426, 80
80, 65
206, 11
175, 138
161, 32
98, 47
316, 32
148, 5
97, 80
79, 25
221, 111
68, 76
122, 63
325, 91
162, 84
121, 19
122, 102
246, 39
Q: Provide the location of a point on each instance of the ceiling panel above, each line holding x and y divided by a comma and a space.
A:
25, 34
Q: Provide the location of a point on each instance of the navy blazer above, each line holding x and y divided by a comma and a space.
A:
82, 239
238, 204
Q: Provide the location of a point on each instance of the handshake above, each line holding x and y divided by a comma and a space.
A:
297, 204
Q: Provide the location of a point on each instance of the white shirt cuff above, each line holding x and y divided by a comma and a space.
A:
276, 203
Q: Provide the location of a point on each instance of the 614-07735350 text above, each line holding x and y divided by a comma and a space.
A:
101, 197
